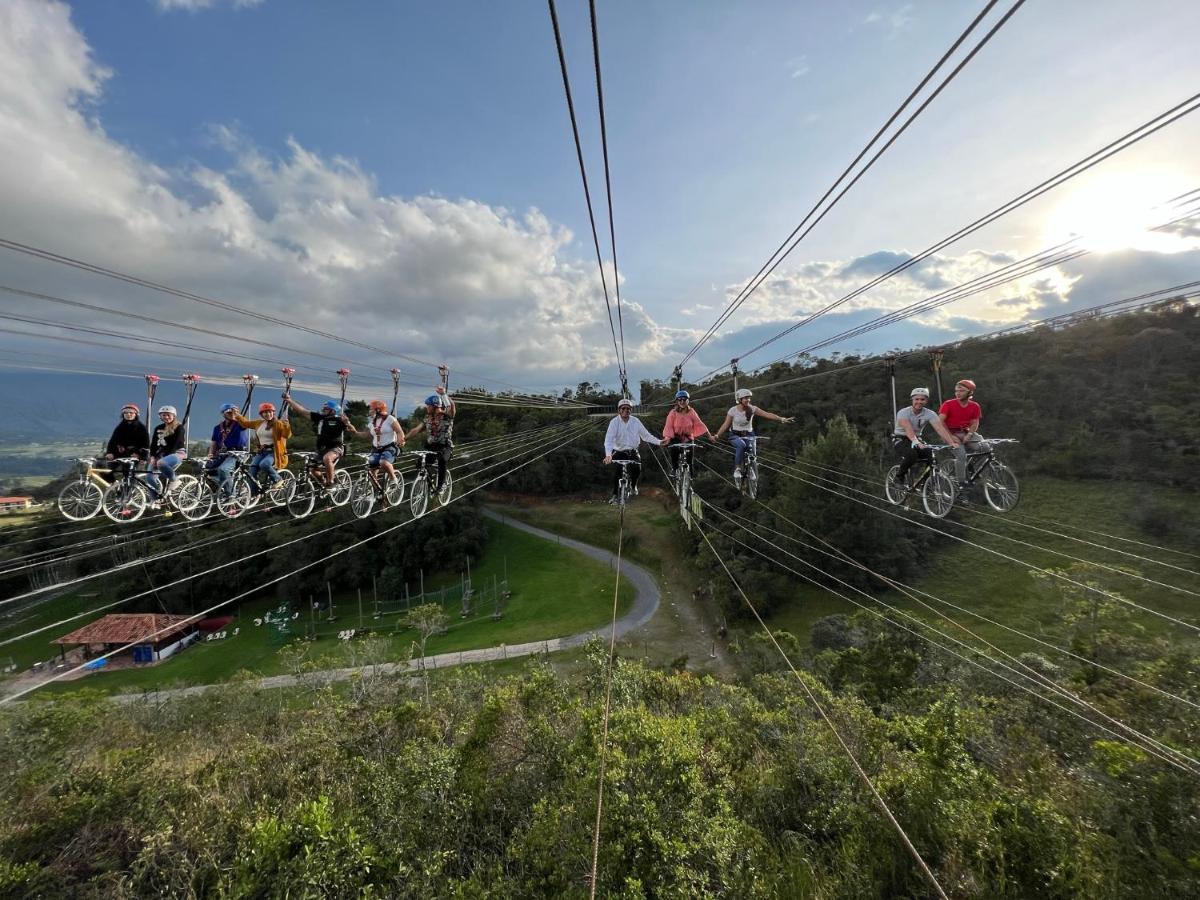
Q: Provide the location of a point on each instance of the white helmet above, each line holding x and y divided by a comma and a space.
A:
625, 402
167, 409
742, 394
920, 392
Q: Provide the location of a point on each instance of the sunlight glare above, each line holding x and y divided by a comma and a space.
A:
1118, 213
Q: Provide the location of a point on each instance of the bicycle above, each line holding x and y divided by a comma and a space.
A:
935, 486
82, 498
277, 493
197, 499
746, 476
368, 490
624, 485
130, 494
682, 475
1000, 486
310, 484
418, 498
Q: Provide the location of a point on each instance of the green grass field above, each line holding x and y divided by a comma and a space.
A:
555, 592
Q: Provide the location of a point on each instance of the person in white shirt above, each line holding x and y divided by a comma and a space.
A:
387, 438
740, 421
625, 434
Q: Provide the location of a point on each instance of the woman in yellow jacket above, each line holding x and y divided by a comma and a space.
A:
272, 437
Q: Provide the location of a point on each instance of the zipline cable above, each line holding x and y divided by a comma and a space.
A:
776, 258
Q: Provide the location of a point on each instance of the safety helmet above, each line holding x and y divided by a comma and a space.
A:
624, 402
967, 383
333, 406
743, 394
379, 406
226, 407
437, 401
683, 395
132, 406
266, 407
163, 410
920, 392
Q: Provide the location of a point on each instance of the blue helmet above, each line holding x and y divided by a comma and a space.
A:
333, 406
683, 395
226, 407
435, 400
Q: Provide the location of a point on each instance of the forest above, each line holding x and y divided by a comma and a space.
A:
483, 782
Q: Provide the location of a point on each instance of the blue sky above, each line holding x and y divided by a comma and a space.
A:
220, 139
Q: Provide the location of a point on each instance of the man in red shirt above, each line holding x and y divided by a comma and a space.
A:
961, 417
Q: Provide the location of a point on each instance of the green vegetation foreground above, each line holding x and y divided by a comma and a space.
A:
488, 788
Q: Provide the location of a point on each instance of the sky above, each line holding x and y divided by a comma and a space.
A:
402, 175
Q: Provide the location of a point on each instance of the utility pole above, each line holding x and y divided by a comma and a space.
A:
329, 591
406, 596
375, 593
935, 356
360, 618
312, 617
889, 363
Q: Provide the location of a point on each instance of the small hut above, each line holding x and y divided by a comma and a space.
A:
150, 637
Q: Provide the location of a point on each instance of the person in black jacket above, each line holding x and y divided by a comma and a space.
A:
130, 438
167, 449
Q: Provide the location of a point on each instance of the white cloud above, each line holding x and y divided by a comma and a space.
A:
198, 5
894, 20
299, 236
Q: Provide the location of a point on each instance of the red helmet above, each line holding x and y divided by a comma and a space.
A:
967, 383
266, 407
379, 406
132, 406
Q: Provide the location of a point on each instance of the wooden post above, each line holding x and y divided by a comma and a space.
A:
375, 593
360, 618
329, 591
312, 617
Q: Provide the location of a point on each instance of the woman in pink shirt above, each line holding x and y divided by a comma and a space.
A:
683, 426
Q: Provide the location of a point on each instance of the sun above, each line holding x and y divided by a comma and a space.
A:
1120, 212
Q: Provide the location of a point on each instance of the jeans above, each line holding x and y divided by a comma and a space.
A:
971, 443
738, 439
263, 461
635, 470
164, 475
222, 468
382, 455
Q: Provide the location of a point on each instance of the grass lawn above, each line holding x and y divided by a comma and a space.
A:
555, 592
1007, 593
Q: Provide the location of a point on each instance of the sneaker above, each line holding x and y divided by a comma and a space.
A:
614, 500
737, 474
635, 493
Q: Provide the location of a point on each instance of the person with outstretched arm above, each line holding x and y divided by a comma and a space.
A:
625, 434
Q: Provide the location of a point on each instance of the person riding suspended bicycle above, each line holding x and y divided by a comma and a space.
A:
168, 448
739, 421
683, 426
130, 438
625, 434
272, 435
439, 429
227, 435
961, 417
331, 425
387, 438
910, 424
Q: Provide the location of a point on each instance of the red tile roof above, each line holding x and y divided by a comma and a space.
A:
127, 628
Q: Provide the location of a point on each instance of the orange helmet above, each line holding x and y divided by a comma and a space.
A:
379, 406
266, 407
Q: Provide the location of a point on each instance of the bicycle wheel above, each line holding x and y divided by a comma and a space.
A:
418, 498
751, 479
195, 499
394, 492
685, 489
446, 491
624, 491
895, 492
938, 494
362, 496
281, 491
342, 488
247, 499
237, 501
182, 491
125, 500
303, 498
1000, 487
80, 500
